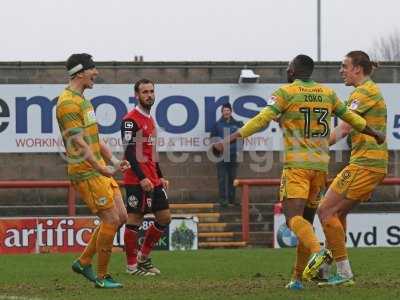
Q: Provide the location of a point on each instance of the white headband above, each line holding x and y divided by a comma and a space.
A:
75, 69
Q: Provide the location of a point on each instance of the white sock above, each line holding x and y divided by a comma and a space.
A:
326, 271
344, 269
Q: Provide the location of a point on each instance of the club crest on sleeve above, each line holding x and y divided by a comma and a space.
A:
354, 104
271, 100
90, 117
128, 125
101, 201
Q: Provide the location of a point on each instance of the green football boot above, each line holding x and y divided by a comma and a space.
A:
315, 263
86, 271
336, 280
295, 284
107, 283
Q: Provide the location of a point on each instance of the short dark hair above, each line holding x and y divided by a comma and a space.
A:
79, 62
303, 65
360, 58
226, 105
142, 81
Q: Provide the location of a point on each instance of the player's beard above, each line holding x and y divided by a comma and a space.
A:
147, 104
290, 78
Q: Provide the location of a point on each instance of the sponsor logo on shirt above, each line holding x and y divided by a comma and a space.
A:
91, 117
354, 105
128, 125
101, 201
271, 100
133, 201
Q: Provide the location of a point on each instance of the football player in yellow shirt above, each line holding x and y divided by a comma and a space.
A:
368, 161
87, 170
304, 108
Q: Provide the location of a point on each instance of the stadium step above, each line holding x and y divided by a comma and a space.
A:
208, 217
226, 236
191, 205
212, 231
216, 234
213, 227
222, 244
192, 208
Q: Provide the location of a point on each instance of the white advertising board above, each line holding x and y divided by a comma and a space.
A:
184, 113
363, 230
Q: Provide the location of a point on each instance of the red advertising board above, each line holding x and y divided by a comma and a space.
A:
59, 234
43, 235
18, 235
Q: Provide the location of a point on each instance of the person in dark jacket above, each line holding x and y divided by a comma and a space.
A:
228, 162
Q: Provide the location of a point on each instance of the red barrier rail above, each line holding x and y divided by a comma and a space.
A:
25, 184
246, 183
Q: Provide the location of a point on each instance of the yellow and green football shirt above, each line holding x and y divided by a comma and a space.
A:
304, 109
367, 101
75, 115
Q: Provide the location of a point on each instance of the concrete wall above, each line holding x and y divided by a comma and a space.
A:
191, 181
179, 72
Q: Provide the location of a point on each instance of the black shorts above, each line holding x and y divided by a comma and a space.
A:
139, 201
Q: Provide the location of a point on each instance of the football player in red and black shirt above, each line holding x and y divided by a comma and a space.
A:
144, 182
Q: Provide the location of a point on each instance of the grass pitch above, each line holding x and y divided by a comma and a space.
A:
204, 274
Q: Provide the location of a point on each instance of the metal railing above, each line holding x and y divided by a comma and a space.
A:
244, 183
29, 184
247, 183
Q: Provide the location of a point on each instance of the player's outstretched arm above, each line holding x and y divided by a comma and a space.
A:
219, 146
360, 124
379, 136
257, 123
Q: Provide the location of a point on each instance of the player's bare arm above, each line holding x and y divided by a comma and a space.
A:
165, 183
256, 124
121, 165
379, 136
359, 124
89, 157
219, 146
339, 132
146, 185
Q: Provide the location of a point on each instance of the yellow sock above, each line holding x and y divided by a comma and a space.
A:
90, 250
343, 221
302, 256
305, 233
335, 235
104, 245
